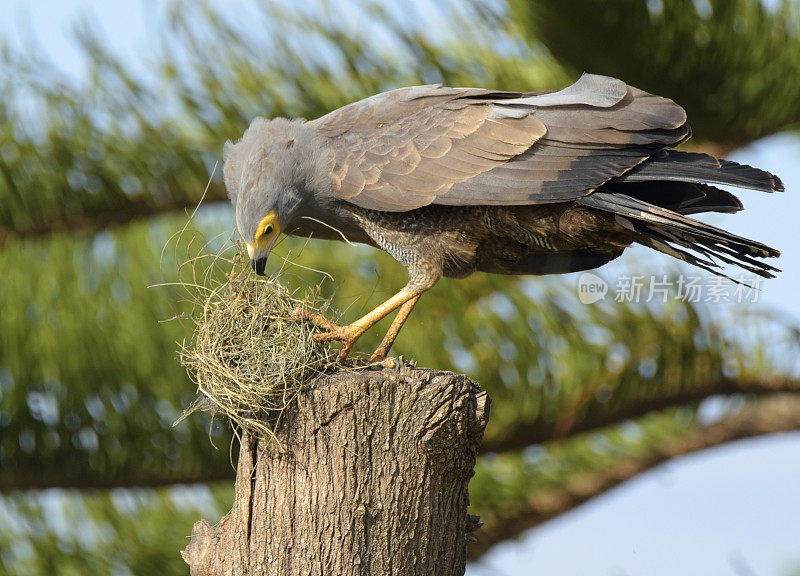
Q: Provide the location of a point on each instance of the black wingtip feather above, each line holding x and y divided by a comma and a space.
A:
673, 165
777, 183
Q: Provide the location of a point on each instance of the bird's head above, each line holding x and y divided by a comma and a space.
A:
260, 242
263, 176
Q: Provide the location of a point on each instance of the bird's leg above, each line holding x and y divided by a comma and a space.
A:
394, 329
349, 334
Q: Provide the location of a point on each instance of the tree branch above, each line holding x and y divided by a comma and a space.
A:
372, 473
517, 437
524, 434
27, 481
91, 223
779, 412
145, 207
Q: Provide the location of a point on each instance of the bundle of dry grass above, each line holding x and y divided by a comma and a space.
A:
247, 356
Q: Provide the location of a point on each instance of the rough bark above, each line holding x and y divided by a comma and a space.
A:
371, 479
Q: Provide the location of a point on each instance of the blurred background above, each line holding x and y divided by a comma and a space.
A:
651, 437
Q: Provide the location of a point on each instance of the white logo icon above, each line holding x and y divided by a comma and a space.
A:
591, 288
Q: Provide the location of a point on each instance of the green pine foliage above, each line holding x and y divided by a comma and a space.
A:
717, 58
95, 178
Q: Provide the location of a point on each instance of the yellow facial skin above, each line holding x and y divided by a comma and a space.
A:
267, 232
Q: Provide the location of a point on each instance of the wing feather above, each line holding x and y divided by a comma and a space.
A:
407, 148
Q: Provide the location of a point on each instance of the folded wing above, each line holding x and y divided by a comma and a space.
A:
411, 147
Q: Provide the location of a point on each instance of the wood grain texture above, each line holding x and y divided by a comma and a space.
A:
371, 480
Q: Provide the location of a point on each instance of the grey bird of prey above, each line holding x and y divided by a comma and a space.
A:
450, 181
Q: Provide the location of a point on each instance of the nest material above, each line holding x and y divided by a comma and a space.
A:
247, 356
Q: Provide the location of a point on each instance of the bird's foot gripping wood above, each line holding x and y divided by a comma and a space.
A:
348, 335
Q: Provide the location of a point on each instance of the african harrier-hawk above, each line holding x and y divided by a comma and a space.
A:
453, 180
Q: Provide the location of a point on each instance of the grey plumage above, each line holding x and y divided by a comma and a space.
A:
454, 180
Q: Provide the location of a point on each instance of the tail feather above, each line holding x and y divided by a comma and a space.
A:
720, 252
682, 197
682, 237
672, 165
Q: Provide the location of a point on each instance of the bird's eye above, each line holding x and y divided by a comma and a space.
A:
268, 229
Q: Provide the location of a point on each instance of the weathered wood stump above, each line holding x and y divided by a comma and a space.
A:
371, 480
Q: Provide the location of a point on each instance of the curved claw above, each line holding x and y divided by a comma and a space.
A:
391, 362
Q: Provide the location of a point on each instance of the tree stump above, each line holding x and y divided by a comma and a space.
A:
371, 479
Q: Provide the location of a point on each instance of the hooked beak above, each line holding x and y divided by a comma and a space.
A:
259, 261
259, 265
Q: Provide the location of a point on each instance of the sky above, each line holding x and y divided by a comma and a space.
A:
723, 511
